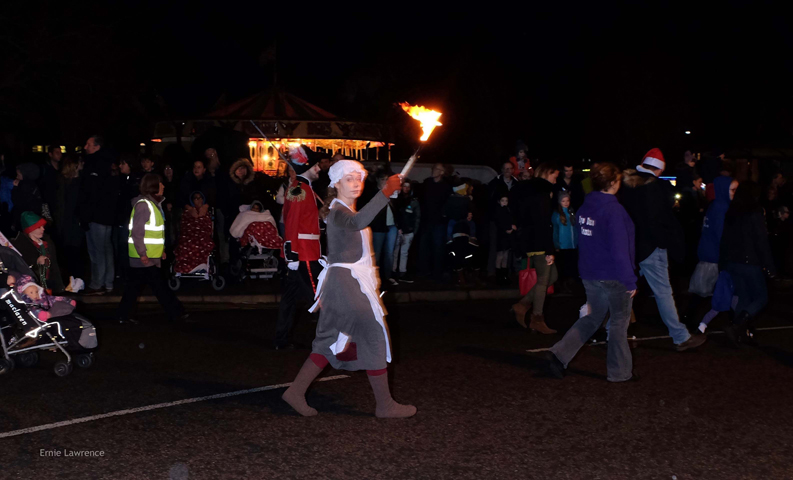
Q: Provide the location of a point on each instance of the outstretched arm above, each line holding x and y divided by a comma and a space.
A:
347, 220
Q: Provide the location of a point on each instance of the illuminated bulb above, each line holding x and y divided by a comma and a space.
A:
688, 132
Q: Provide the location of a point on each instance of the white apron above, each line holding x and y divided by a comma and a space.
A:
366, 273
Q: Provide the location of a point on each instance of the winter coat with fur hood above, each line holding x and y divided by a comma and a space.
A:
244, 191
649, 201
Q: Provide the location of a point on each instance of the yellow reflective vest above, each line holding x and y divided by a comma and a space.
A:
154, 239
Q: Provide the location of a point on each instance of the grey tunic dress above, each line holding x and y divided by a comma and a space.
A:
344, 308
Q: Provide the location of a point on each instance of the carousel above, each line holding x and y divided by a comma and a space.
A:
274, 120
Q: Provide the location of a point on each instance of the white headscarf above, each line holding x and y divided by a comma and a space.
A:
341, 168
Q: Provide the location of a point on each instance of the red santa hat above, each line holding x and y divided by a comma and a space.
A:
654, 158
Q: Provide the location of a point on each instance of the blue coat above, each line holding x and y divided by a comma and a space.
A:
565, 237
713, 225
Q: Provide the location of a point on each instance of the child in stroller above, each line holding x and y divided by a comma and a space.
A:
195, 237
31, 315
257, 233
194, 254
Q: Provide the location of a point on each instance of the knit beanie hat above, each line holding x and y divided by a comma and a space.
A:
24, 282
654, 158
461, 189
30, 221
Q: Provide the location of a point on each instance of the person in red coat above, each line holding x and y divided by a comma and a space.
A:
302, 246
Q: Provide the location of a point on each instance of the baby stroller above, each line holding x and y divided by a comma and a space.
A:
195, 254
260, 244
462, 251
22, 335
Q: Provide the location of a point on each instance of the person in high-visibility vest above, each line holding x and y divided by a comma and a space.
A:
146, 251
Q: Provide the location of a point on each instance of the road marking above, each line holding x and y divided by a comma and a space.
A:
644, 339
129, 411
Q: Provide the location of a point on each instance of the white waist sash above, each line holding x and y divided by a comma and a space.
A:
367, 279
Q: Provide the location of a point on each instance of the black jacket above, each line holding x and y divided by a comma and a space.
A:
190, 184
68, 199
530, 203
409, 213
99, 190
498, 189
575, 190
650, 203
433, 198
48, 183
457, 207
745, 240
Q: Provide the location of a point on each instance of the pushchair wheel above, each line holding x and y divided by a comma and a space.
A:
6, 365
174, 283
62, 368
84, 360
218, 283
28, 359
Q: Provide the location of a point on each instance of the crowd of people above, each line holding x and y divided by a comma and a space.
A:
133, 214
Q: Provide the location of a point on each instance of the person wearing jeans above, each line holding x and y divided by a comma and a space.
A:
655, 269
98, 202
649, 201
606, 265
100, 250
384, 235
408, 222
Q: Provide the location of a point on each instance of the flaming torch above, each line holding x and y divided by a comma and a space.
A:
428, 120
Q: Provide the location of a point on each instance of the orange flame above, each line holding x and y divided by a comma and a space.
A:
427, 118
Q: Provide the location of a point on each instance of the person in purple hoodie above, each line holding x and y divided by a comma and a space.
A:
606, 265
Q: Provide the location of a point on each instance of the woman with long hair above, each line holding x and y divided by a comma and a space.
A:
746, 254
351, 333
565, 239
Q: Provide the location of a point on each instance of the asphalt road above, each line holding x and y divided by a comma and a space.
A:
485, 408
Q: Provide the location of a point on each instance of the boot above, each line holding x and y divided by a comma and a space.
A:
295, 395
735, 329
520, 310
538, 325
386, 406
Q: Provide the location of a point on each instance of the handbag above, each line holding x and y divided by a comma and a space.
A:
722, 294
703, 281
527, 278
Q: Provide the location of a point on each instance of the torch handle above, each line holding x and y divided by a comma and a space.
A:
409, 166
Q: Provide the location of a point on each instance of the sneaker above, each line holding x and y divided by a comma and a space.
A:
93, 292
127, 321
554, 366
693, 341
393, 282
405, 278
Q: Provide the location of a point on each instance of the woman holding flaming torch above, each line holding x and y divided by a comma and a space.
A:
351, 333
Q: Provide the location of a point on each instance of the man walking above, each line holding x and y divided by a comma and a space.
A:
649, 201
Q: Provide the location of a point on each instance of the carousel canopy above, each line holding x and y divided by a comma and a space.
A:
286, 120
281, 116
272, 105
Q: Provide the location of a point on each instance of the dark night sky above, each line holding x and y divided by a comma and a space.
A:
571, 79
